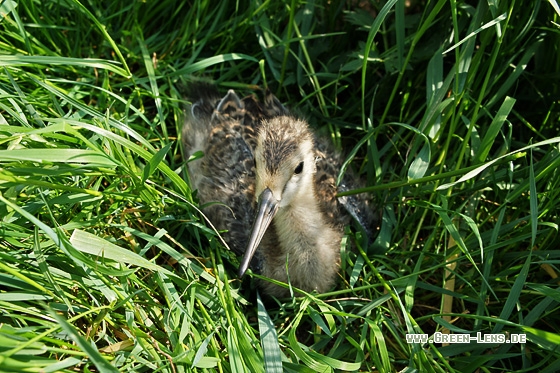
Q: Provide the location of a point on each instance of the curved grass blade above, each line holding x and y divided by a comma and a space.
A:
207, 62
87, 346
499, 19
57, 156
269, 340
369, 44
478, 170
154, 162
97, 246
105, 34
494, 129
200, 360
20, 60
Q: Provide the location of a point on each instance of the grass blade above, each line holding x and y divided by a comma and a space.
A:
269, 340
95, 357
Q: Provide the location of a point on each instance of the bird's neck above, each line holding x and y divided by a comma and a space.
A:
309, 245
301, 228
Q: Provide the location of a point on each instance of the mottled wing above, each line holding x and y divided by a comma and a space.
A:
225, 130
225, 175
328, 164
344, 209
359, 207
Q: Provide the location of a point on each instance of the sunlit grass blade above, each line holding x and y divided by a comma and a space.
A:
494, 129
480, 169
208, 62
102, 249
57, 156
498, 19
269, 340
6, 60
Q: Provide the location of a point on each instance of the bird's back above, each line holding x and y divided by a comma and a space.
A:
225, 175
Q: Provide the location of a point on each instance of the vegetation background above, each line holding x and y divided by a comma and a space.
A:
449, 108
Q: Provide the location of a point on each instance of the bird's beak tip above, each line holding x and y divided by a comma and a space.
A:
242, 271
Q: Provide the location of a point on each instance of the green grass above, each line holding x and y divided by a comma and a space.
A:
106, 263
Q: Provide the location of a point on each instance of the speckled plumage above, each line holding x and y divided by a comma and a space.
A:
254, 150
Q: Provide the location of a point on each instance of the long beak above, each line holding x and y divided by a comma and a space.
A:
267, 208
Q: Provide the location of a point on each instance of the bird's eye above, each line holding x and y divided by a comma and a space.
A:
299, 168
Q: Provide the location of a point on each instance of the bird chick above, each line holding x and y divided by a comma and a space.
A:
275, 182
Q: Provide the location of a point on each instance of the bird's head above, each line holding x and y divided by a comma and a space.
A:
284, 166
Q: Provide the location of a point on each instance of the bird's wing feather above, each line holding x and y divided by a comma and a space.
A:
225, 130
